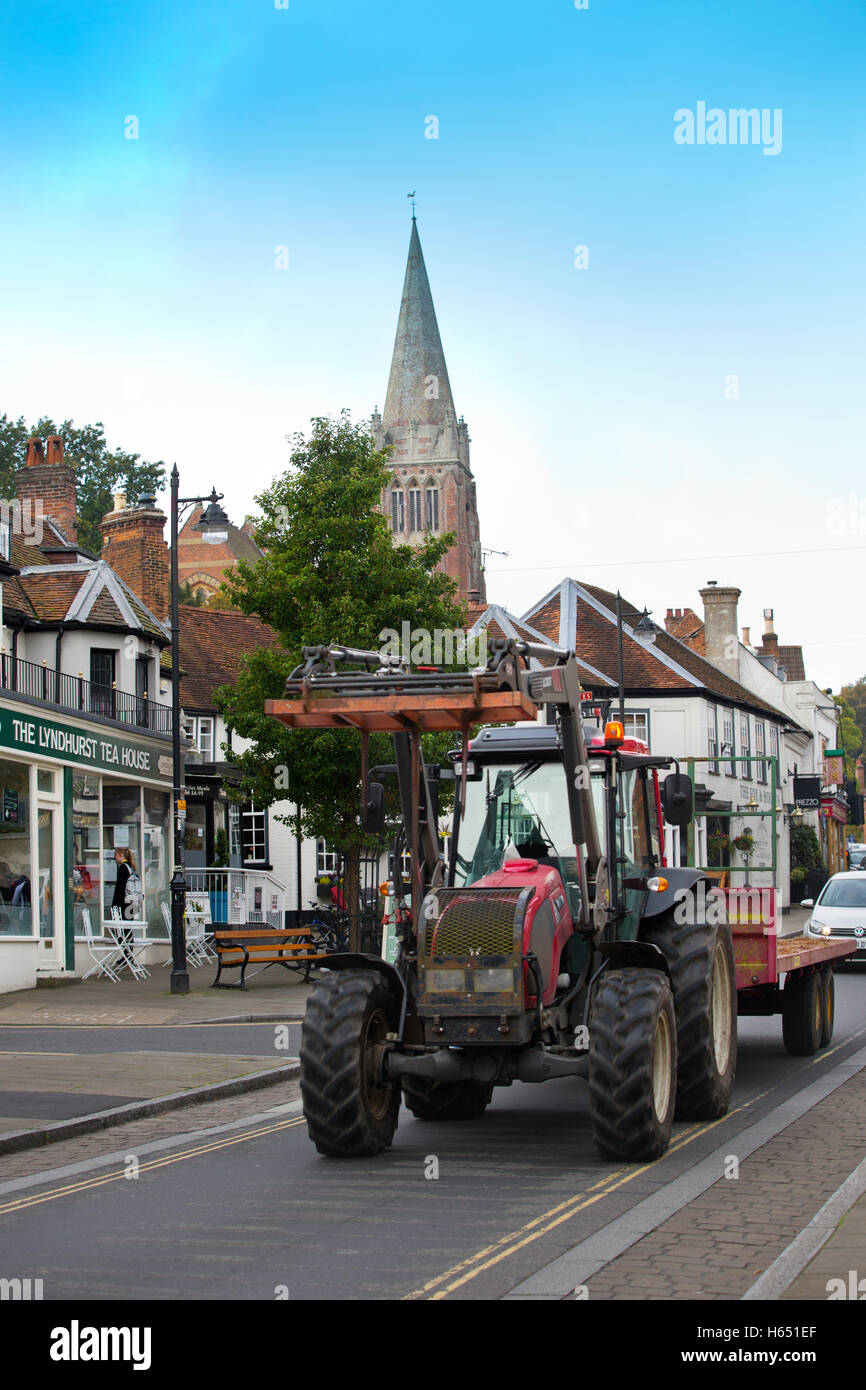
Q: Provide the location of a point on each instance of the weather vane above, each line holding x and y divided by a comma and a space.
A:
412, 196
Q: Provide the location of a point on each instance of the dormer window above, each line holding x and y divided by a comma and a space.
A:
5, 537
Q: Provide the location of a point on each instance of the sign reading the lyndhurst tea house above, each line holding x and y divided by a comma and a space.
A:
28, 733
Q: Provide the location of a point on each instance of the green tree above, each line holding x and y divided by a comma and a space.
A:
99, 471
331, 573
855, 696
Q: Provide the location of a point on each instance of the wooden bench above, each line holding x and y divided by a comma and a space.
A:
292, 948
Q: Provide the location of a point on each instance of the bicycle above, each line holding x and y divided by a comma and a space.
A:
330, 929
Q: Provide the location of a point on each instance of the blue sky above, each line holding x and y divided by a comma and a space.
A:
139, 281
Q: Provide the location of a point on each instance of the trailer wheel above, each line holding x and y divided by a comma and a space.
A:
828, 1004
445, 1100
632, 1063
803, 1013
349, 1113
700, 957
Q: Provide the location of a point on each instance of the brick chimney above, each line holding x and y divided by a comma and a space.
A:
769, 640
722, 644
135, 548
673, 618
45, 486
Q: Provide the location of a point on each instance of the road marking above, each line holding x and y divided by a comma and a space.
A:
525, 1235
48, 1054
19, 1204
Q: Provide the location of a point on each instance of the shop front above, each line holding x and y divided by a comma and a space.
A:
71, 795
834, 822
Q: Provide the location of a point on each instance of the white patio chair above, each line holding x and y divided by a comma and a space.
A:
130, 940
196, 946
104, 955
198, 925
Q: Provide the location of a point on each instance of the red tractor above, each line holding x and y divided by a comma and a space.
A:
555, 942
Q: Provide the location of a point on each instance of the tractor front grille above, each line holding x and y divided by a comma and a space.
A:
474, 922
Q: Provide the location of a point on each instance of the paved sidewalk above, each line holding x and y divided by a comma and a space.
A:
271, 995
47, 1096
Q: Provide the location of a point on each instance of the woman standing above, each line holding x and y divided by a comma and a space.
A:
125, 867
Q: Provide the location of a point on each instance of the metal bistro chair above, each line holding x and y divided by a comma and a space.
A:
130, 940
198, 925
104, 956
196, 946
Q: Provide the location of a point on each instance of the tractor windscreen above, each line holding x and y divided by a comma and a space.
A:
517, 811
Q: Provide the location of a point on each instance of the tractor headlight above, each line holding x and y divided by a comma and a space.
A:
445, 981
493, 980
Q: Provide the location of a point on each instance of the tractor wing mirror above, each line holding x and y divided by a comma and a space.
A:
677, 798
374, 811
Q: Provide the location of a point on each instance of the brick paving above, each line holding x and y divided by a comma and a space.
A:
718, 1245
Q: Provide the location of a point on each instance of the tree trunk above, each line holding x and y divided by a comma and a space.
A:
352, 893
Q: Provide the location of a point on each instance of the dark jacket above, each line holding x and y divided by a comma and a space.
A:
119, 899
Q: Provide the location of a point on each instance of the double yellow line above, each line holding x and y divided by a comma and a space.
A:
36, 1198
459, 1274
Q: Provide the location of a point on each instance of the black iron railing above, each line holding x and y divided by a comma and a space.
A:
41, 682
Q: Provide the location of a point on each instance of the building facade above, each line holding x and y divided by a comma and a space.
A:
85, 733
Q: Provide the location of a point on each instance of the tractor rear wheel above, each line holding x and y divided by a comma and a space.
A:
445, 1100
700, 957
349, 1112
632, 1063
802, 1013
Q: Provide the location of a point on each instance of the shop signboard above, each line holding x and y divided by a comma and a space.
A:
807, 793
24, 732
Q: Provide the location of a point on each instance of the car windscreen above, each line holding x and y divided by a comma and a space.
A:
844, 892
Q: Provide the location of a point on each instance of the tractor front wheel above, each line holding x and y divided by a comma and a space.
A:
445, 1100
632, 1063
349, 1112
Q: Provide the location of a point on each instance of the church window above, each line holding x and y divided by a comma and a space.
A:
415, 509
398, 519
433, 508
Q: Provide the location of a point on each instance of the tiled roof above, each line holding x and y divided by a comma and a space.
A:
689, 628
657, 662
791, 659
212, 643
83, 593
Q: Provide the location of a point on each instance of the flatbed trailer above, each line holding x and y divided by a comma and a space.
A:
788, 975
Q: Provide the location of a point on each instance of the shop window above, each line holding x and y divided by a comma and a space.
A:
121, 830
254, 824
86, 859
156, 857
16, 871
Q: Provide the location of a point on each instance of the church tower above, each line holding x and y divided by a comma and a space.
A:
432, 487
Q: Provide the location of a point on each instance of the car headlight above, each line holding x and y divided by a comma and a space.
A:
818, 928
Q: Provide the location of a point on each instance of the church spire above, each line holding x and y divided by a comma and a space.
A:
418, 387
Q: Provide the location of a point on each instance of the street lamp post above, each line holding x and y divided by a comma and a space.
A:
214, 529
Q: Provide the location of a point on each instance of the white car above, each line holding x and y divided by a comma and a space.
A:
840, 909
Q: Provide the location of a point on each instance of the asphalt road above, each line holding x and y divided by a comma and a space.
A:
255, 1213
251, 1039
